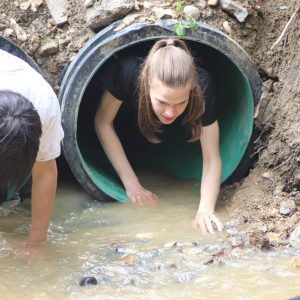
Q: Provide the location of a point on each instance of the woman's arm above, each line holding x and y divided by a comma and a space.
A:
211, 178
113, 148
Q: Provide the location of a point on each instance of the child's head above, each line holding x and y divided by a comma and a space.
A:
168, 86
20, 131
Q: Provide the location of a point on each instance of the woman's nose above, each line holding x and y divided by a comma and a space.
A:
170, 112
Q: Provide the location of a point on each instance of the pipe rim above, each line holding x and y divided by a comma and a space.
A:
85, 67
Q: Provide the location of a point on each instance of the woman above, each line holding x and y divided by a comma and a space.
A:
166, 86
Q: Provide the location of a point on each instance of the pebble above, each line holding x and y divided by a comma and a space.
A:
294, 239
212, 2
21, 34
170, 244
201, 4
25, 5
162, 13
35, 4
283, 7
3, 25
8, 32
129, 19
88, 281
129, 260
295, 262
147, 5
237, 252
49, 48
227, 27
120, 249
278, 190
235, 8
232, 231
147, 254
274, 237
186, 276
267, 175
144, 235
192, 11
287, 207
88, 3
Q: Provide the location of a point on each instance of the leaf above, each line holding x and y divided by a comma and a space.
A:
193, 24
179, 7
179, 29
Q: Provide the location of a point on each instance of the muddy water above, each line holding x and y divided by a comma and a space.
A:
136, 253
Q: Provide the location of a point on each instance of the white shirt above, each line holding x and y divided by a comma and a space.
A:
16, 75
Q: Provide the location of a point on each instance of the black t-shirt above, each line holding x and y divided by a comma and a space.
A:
119, 77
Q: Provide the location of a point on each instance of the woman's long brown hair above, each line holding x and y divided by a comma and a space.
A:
170, 61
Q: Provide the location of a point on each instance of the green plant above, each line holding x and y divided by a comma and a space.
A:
183, 22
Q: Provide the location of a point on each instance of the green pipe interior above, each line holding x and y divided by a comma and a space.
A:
235, 105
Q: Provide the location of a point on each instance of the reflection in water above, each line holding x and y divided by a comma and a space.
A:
136, 253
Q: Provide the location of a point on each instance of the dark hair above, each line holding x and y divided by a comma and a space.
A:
20, 131
171, 62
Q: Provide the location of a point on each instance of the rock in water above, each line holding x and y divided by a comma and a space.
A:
88, 281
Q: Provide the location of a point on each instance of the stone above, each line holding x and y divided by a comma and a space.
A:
129, 19
48, 49
21, 34
227, 27
287, 207
201, 4
278, 190
237, 252
147, 5
2, 26
212, 2
271, 213
275, 238
170, 244
35, 4
294, 238
8, 32
25, 5
186, 276
64, 41
58, 10
88, 281
295, 262
192, 11
128, 260
268, 175
106, 11
88, 3
164, 13
34, 44
235, 8
297, 179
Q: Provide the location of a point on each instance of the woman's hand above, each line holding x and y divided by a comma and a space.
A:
206, 221
139, 195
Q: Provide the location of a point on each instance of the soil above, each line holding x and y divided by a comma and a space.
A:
275, 176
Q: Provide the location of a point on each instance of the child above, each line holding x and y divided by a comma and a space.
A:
30, 136
165, 86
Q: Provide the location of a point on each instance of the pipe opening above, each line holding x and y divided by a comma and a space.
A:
235, 116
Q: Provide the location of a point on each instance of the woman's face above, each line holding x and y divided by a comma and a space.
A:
168, 102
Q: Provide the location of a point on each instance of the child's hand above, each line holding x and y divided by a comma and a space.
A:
139, 195
205, 221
